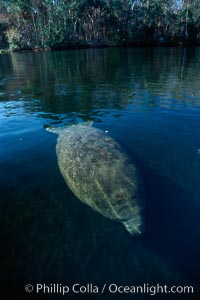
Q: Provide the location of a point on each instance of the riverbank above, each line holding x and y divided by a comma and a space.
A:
59, 25
89, 46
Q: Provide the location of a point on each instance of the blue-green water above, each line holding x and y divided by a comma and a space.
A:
149, 101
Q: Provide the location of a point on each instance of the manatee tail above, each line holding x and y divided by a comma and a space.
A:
134, 226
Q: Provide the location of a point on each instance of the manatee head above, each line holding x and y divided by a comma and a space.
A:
67, 128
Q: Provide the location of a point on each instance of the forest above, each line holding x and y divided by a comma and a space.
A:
62, 24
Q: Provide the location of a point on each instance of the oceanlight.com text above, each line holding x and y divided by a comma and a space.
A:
76, 288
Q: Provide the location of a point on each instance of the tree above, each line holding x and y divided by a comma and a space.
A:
33, 24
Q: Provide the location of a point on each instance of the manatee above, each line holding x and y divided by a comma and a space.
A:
100, 174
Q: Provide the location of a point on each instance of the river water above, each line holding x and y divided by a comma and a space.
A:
149, 101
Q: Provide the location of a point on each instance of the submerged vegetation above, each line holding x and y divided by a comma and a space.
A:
56, 24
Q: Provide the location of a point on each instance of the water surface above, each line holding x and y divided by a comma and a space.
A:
149, 101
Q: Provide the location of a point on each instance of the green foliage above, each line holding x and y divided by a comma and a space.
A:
32, 24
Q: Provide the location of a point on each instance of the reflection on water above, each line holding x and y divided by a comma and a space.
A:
148, 100
97, 82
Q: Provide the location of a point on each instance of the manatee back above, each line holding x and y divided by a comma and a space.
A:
100, 174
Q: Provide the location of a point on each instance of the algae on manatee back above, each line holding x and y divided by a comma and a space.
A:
100, 174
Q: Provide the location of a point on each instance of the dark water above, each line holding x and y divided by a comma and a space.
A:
149, 101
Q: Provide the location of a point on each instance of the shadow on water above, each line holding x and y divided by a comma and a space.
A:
172, 223
172, 216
